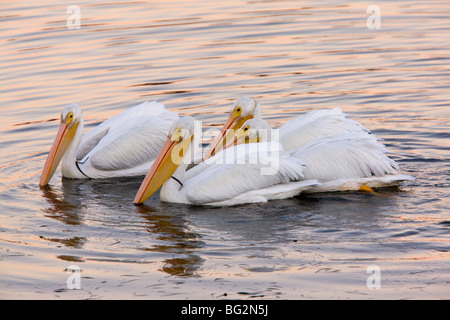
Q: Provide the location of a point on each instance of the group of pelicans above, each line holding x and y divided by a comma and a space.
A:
320, 151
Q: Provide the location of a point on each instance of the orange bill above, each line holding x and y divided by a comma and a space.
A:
164, 166
59, 147
226, 135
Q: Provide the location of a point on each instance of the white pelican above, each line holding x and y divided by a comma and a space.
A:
228, 178
347, 161
124, 145
244, 109
293, 134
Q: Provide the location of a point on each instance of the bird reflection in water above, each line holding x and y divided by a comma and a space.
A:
172, 230
107, 201
65, 207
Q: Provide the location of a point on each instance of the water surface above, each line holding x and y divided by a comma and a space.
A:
197, 58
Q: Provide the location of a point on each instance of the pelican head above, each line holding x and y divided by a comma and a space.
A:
182, 129
70, 119
176, 146
253, 130
244, 108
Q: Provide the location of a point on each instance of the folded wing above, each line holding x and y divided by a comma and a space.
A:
241, 169
345, 156
129, 139
315, 125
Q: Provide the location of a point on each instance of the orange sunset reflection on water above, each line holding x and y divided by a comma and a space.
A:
197, 58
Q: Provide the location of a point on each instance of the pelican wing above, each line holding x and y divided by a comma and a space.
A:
314, 125
345, 156
143, 110
136, 142
240, 169
90, 140
278, 191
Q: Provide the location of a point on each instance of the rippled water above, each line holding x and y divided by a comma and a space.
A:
196, 58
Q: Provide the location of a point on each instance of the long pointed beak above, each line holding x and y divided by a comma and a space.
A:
59, 147
164, 166
226, 135
232, 142
240, 138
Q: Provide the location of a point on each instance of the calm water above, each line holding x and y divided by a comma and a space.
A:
294, 56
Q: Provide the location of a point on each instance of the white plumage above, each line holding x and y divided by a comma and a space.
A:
310, 126
131, 143
320, 151
317, 124
348, 155
245, 173
345, 161
349, 161
339, 152
124, 145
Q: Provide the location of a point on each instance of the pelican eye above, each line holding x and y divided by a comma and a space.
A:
237, 112
70, 117
246, 128
177, 135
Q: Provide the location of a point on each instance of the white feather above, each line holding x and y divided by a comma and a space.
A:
275, 192
348, 155
340, 161
139, 143
315, 125
348, 161
240, 174
124, 145
355, 183
118, 124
